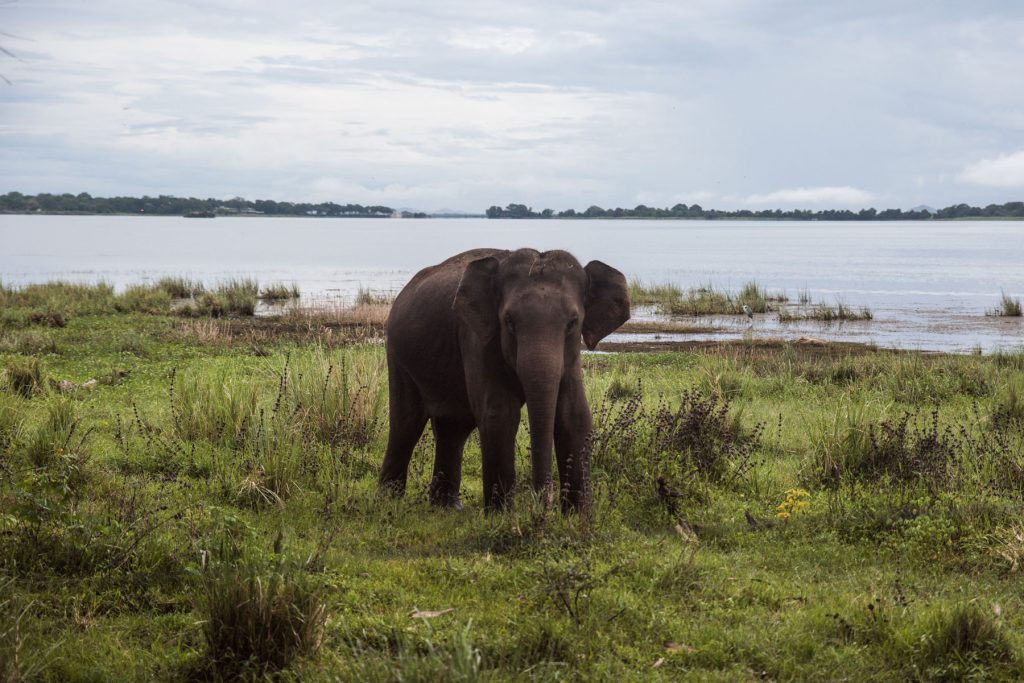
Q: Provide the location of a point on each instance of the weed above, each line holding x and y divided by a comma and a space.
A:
279, 291
707, 300
48, 318
253, 621
825, 313
662, 295
26, 377
338, 402
704, 433
143, 299
60, 436
29, 343
956, 641
369, 297
180, 287
1009, 307
213, 407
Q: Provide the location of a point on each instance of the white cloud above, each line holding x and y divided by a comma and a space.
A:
556, 103
508, 40
1003, 171
837, 196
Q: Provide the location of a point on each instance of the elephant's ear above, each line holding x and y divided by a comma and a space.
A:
607, 304
476, 300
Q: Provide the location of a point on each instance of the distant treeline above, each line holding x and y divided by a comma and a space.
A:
166, 205
1008, 210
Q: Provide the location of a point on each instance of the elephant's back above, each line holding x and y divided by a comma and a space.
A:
433, 283
422, 323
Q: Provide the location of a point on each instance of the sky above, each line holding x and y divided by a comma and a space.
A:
554, 104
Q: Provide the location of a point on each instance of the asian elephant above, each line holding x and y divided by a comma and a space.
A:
470, 340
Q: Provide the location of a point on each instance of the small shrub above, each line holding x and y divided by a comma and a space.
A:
705, 433
259, 622
26, 377
901, 449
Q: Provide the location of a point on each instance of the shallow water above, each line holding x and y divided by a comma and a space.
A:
928, 284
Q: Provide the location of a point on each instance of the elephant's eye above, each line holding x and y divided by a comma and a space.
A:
572, 324
510, 325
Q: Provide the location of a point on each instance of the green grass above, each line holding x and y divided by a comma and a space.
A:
279, 291
670, 299
209, 511
1009, 307
825, 313
369, 297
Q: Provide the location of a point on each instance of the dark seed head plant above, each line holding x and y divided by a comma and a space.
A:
700, 441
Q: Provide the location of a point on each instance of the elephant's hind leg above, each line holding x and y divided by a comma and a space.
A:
407, 420
450, 435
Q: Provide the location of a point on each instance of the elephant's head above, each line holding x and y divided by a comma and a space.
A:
539, 304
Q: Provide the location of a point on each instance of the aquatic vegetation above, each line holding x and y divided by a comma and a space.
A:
369, 297
1009, 307
825, 313
279, 291
180, 287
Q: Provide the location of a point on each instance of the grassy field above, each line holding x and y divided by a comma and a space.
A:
190, 498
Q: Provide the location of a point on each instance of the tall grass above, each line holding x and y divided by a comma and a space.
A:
662, 294
705, 300
181, 287
1009, 307
369, 297
213, 406
826, 313
26, 377
259, 622
279, 291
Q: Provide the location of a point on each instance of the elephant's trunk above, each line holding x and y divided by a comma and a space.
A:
540, 372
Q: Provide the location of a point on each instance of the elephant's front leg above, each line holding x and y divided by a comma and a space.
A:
498, 425
572, 427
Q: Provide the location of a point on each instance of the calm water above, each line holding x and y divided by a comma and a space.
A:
928, 284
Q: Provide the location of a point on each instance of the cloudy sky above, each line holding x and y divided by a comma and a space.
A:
464, 104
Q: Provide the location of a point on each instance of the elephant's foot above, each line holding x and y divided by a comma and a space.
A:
449, 502
391, 488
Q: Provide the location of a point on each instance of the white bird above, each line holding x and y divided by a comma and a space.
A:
750, 314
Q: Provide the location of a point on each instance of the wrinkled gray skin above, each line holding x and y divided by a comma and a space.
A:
470, 340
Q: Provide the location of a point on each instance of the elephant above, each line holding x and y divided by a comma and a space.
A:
470, 340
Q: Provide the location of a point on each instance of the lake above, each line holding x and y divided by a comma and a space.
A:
928, 284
